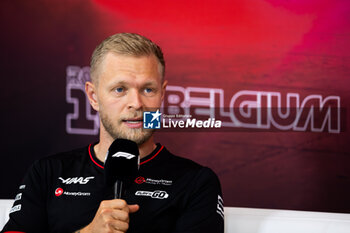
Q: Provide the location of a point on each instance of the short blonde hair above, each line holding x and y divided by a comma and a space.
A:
124, 44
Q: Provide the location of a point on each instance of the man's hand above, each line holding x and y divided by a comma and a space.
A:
112, 216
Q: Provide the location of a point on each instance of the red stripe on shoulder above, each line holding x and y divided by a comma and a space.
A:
92, 159
152, 156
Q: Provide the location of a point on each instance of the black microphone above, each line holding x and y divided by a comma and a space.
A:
121, 165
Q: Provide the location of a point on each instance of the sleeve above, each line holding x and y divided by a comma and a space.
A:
28, 213
204, 211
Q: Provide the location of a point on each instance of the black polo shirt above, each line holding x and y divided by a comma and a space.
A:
62, 193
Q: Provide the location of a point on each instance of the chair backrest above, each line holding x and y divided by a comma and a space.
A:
5, 206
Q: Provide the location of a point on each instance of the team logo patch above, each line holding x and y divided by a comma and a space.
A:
158, 194
151, 120
76, 180
58, 192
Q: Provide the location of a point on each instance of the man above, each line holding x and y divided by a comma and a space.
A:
66, 192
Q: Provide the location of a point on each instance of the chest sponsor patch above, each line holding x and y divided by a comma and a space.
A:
76, 193
157, 194
76, 180
60, 191
141, 180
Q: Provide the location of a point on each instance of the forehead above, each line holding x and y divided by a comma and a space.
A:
130, 67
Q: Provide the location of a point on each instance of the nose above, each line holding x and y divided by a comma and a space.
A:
134, 100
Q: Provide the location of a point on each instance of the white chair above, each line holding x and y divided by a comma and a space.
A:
5, 206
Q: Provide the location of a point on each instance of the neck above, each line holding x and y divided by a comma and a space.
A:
105, 141
147, 147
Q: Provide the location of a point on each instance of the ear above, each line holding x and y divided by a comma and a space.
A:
90, 90
165, 83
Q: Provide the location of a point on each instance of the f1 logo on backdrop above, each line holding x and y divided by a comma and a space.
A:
151, 120
246, 109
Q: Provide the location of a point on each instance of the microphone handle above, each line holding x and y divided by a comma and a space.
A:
118, 189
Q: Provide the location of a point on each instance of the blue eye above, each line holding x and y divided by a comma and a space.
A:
148, 90
119, 89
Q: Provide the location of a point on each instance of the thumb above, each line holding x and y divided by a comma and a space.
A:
133, 208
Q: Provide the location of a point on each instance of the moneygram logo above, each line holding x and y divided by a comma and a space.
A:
58, 192
140, 180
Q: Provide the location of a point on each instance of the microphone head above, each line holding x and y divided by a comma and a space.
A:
122, 162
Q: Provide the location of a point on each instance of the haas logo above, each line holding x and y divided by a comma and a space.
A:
76, 180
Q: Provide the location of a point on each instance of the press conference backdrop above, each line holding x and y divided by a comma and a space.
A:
277, 73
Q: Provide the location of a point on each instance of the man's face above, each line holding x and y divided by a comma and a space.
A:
127, 87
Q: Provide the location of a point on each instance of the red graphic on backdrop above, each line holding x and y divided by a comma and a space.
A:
58, 192
267, 46
140, 180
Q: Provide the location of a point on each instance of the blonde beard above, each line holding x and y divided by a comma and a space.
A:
138, 135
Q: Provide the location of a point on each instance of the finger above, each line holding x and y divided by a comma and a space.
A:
119, 225
133, 208
114, 204
122, 215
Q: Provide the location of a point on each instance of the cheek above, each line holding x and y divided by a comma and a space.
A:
154, 102
110, 106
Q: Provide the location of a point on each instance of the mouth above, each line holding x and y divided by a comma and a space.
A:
133, 122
